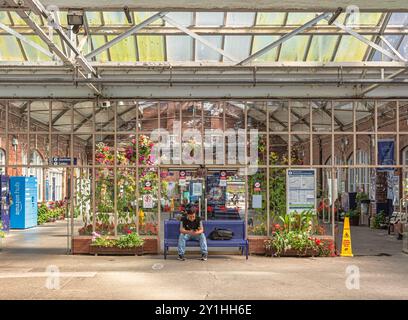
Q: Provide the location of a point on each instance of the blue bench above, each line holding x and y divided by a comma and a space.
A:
172, 232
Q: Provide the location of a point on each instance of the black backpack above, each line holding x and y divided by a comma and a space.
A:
221, 234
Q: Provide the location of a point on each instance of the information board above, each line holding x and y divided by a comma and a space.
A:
300, 190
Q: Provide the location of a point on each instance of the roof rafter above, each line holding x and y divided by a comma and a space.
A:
284, 38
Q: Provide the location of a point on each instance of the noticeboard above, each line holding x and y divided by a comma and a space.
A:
300, 190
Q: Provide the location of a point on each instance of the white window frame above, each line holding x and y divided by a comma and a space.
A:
2, 161
359, 178
36, 159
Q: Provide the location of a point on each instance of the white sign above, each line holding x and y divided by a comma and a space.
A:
301, 190
147, 201
223, 183
197, 188
256, 201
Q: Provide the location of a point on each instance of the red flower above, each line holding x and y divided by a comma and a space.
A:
128, 231
277, 226
317, 241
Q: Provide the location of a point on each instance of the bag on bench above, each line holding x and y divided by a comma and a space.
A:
221, 234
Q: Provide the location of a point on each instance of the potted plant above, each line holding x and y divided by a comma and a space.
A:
2, 235
129, 244
354, 217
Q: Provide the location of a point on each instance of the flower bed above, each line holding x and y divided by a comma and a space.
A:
296, 238
129, 244
51, 212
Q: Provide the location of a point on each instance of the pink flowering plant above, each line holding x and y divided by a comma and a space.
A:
126, 157
295, 234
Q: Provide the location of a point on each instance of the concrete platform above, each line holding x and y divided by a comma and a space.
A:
23, 272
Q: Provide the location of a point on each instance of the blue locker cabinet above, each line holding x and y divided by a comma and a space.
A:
24, 209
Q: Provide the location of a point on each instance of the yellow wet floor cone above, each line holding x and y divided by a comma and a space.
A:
346, 250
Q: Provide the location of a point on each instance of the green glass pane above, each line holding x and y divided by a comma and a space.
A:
4, 19
16, 19
151, 48
97, 42
294, 49
299, 18
270, 18
262, 41
10, 50
124, 51
141, 16
32, 53
115, 18
321, 48
365, 18
351, 49
94, 18
63, 17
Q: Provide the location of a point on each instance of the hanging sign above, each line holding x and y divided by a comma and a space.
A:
66, 161
223, 179
147, 201
301, 190
346, 249
148, 185
257, 186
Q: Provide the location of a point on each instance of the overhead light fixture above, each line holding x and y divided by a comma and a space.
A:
335, 15
75, 18
128, 14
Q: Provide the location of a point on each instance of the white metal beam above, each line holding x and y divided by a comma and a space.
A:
200, 39
38, 7
231, 5
375, 86
396, 52
126, 34
285, 38
366, 41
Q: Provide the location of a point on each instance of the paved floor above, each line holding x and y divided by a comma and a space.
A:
28, 266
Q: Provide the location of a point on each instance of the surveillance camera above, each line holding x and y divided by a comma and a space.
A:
105, 104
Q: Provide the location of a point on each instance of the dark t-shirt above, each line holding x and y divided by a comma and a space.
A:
191, 225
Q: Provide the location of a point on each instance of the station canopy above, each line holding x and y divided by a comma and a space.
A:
115, 48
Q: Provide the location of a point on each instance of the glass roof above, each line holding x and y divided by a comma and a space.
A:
239, 34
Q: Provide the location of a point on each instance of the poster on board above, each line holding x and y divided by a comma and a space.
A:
300, 190
147, 201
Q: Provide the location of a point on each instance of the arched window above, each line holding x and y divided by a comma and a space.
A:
37, 160
2, 161
359, 178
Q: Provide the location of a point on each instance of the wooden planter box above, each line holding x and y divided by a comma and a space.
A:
292, 253
136, 251
257, 244
82, 244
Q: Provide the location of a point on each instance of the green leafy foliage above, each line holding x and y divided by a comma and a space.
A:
51, 212
380, 220
295, 233
129, 240
2, 233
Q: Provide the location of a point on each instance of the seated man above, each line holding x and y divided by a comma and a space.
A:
191, 228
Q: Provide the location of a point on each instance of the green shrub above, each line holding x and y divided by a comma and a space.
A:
2, 233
